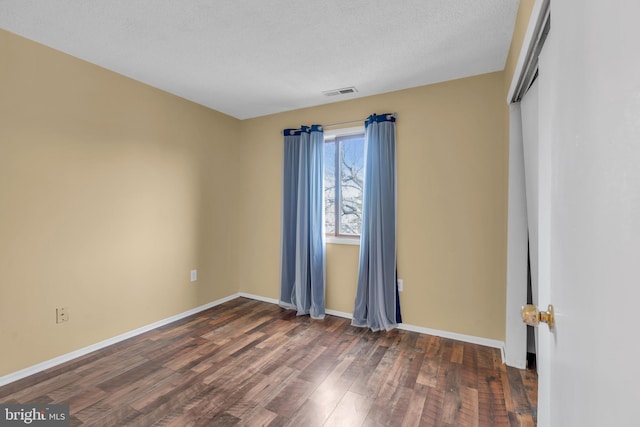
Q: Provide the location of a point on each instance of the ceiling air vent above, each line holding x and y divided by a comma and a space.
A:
343, 91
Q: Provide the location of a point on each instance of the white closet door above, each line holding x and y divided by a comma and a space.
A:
529, 111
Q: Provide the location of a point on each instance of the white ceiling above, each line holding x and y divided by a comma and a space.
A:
249, 58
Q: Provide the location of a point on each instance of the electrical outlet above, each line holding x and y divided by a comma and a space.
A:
62, 314
194, 275
400, 285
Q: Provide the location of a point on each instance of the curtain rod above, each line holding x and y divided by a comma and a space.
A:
395, 116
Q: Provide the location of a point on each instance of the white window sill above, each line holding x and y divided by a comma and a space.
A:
343, 240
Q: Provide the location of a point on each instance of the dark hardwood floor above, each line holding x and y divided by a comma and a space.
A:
252, 363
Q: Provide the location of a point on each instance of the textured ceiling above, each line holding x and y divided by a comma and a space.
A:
249, 58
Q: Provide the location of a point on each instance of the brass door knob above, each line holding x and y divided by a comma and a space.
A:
532, 316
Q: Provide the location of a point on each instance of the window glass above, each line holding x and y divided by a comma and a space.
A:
344, 160
330, 187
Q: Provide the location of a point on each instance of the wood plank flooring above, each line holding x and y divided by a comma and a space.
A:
252, 363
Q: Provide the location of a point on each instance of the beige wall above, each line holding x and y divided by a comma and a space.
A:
110, 193
452, 181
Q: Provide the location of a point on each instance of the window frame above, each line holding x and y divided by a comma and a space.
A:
329, 136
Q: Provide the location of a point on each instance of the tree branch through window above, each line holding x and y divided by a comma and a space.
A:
344, 158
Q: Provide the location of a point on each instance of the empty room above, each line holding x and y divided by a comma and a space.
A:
366, 213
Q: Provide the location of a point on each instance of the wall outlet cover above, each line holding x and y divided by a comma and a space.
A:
62, 314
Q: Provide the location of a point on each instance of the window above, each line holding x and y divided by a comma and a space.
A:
343, 181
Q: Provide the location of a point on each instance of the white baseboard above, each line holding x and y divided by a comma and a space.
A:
339, 314
455, 336
34, 369
277, 302
444, 334
258, 298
